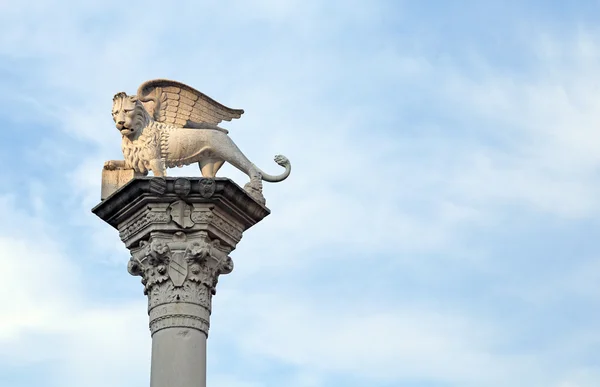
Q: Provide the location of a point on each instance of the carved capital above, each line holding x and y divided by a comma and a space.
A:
180, 232
180, 272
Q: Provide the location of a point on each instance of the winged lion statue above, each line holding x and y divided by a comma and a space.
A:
170, 124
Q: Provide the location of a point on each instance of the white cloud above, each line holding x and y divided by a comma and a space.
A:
47, 316
406, 341
546, 122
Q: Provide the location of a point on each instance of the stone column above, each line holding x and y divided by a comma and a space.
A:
180, 232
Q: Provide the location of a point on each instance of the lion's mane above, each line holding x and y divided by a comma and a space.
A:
145, 144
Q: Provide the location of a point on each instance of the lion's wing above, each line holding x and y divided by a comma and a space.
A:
181, 105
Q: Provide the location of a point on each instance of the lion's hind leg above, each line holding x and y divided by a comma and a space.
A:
218, 164
254, 187
209, 167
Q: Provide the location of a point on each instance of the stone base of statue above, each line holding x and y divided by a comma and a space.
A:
113, 180
180, 232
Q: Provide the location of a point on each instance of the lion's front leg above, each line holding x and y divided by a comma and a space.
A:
157, 166
112, 165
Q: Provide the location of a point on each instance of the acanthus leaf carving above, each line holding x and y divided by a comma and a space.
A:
180, 268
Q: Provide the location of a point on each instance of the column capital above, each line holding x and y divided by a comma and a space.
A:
180, 272
180, 232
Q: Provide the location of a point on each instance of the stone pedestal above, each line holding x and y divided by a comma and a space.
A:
113, 180
180, 232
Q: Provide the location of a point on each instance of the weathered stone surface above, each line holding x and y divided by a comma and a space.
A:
113, 180
137, 210
180, 233
172, 350
169, 124
180, 272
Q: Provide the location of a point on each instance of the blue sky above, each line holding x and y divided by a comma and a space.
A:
438, 228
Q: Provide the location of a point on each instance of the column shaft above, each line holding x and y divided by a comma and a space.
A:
178, 358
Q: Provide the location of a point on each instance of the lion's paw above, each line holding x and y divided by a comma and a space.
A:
255, 192
110, 165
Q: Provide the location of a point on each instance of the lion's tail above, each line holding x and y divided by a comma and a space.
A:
284, 162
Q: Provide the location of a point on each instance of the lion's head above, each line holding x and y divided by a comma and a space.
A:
129, 114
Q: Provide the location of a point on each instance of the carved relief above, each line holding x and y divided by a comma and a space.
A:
158, 185
180, 268
180, 213
202, 216
158, 217
227, 227
207, 188
142, 220
182, 187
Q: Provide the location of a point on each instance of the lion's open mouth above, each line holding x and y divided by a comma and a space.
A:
125, 131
